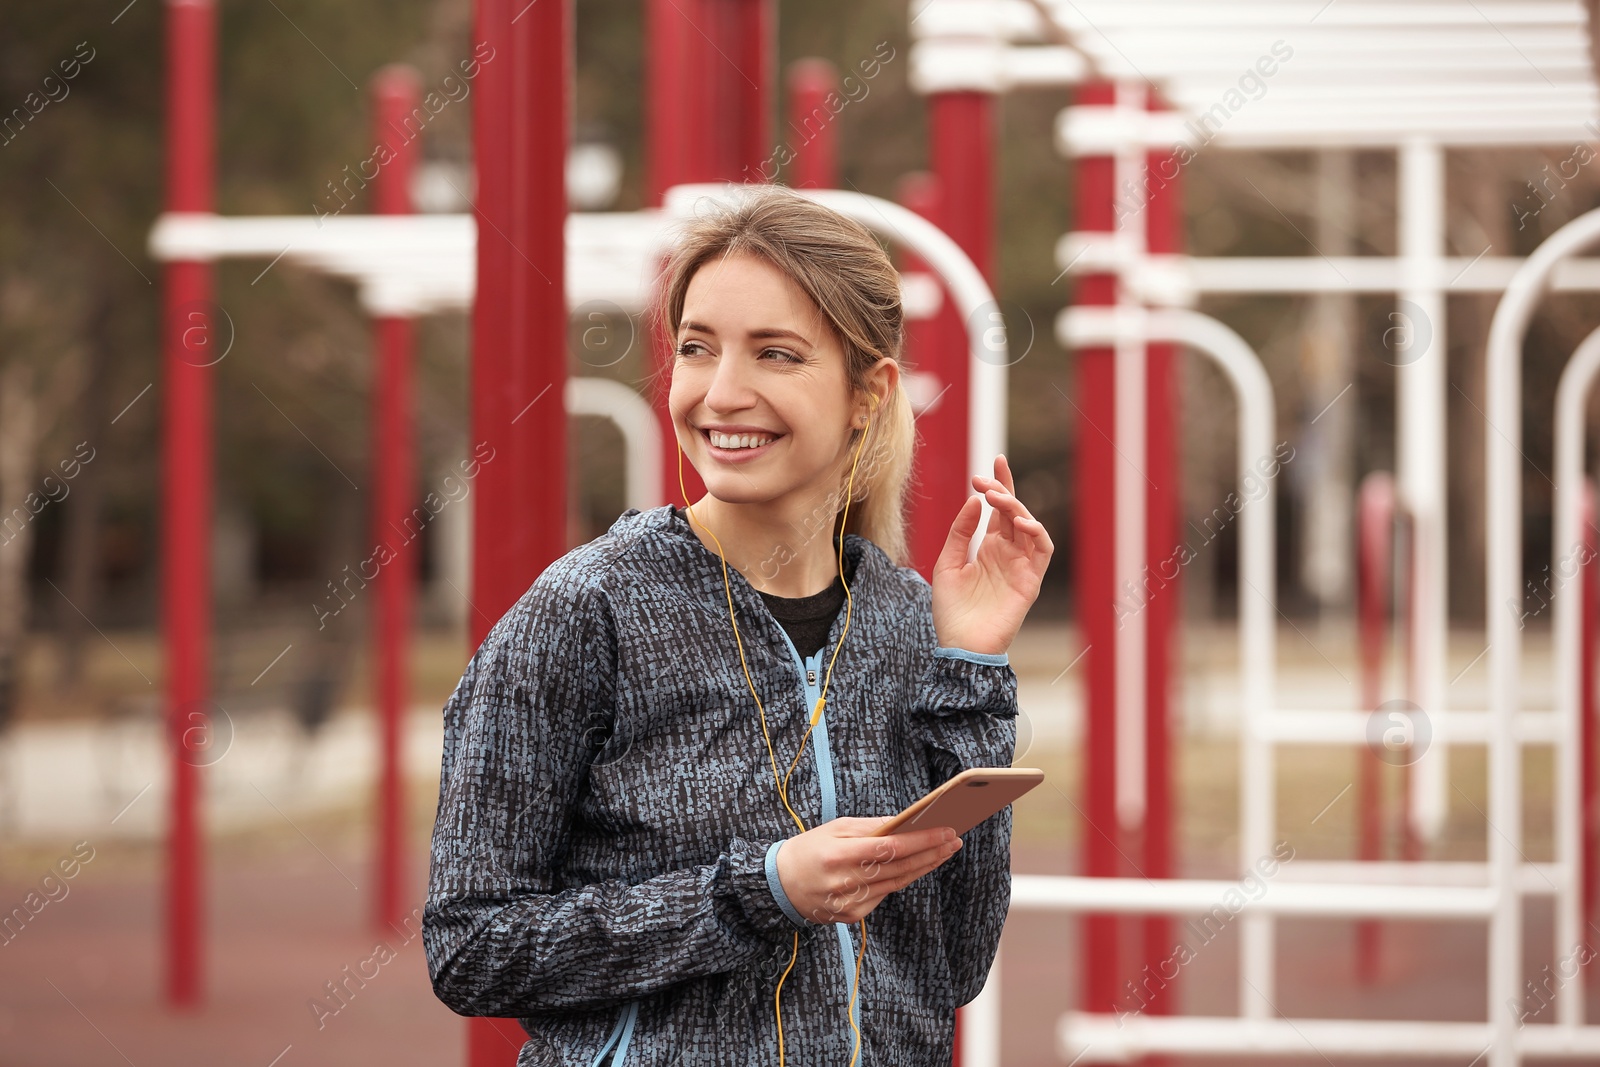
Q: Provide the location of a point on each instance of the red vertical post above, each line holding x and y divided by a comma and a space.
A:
519, 331
186, 464
1096, 572
962, 147
710, 69
395, 91
1163, 219
937, 348
962, 152
1374, 542
811, 130
748, 101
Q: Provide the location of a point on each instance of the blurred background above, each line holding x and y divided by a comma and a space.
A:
288, 753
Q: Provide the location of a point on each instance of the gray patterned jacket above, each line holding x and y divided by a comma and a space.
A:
603, 859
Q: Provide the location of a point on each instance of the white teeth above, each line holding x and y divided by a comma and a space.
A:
739, 440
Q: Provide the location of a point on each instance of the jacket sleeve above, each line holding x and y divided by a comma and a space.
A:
502, 935
966, 716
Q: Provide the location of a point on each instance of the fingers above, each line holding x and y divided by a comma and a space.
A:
874, 859
854, 893
966, 522
902, 872
902, 858
1008, 509
1014, 518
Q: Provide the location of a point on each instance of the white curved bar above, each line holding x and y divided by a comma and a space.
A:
1503, 387
1092, 326
634, 419
1571, 394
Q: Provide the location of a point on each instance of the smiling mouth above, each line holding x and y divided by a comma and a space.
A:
740, 444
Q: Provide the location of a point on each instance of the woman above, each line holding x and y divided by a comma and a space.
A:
662, 766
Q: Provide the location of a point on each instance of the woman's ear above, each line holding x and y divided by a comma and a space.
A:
881, 381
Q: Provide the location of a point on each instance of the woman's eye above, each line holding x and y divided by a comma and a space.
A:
694, 348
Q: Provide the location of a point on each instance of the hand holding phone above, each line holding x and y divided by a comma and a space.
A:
839, 871
965, 800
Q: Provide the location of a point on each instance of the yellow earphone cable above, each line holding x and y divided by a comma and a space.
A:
816, 716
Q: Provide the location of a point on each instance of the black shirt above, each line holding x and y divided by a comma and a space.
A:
807, 619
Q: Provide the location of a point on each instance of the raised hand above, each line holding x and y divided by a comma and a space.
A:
979, 606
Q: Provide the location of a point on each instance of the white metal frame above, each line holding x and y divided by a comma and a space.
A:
1504, 550
1491, 892
1418, 77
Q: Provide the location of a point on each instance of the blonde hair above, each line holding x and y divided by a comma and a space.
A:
841, 267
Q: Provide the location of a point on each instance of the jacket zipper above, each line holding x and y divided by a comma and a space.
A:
624, 1031
822, 757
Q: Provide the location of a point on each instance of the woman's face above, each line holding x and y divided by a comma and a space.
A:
759, 399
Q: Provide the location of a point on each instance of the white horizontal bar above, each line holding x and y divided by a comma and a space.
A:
417, 264
1575, 107
1108, 15
1094, 129
1083, 1037
1190, 76
1371, 128
947, 66
1373, 132
1182, 896
1373, 274
1090, 253
1169, 37
1533, 879
1456, 727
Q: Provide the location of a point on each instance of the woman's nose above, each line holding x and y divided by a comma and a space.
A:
730, 384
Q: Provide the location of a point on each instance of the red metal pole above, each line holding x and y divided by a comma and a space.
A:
962, 153
710, 71
962, 148
749, 99
1163, 217
187, 313
395, 91
937, 348
519, 326
811, 133
1096, 573
1375, 504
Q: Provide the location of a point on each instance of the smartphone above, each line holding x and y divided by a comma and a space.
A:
965, 800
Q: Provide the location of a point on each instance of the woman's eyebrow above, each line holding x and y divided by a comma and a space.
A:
773, 331
760, 334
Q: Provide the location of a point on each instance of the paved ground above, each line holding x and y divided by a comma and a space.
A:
80, 986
